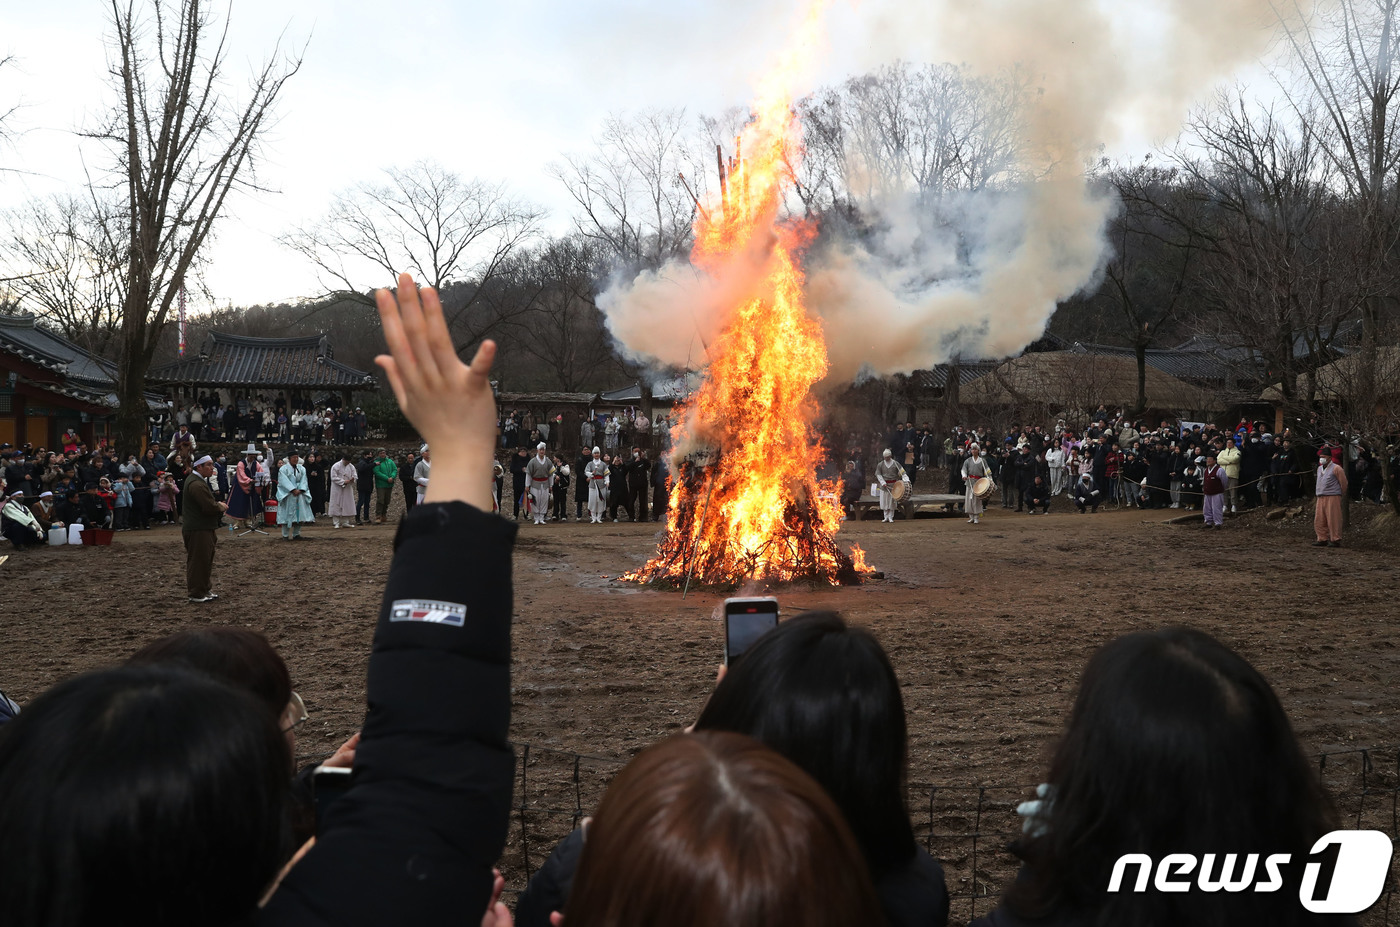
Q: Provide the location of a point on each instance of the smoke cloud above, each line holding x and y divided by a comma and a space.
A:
976, 274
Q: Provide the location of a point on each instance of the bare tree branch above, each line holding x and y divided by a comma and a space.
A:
179, 146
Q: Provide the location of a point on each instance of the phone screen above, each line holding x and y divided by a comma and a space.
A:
327, 784
745, 621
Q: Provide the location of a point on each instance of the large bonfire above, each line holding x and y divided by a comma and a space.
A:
746, 503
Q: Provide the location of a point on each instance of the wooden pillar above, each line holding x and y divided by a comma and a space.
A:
17, 406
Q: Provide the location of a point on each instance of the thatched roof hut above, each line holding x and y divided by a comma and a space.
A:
1060, 380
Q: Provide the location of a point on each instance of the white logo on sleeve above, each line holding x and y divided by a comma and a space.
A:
453, 613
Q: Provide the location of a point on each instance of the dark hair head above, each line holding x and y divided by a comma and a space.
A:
824, 695
236, 656
1175, 744
714, 828
145, 795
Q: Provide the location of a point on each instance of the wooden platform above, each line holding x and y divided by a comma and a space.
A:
945, 502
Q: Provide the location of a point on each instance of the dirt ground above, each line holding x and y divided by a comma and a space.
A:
988, 627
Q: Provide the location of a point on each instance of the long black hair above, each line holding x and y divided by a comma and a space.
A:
140, 795
1175, 744
825, 696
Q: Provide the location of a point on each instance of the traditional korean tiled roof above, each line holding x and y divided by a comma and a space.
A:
242, 360
21, 336
672, 389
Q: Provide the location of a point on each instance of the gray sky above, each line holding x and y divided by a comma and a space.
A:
498, 91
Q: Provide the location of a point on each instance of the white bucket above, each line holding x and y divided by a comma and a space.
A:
58, 536
75, 534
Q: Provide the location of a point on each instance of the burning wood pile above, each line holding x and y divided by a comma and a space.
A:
754, 509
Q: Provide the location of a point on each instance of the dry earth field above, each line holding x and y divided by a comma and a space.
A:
987, 626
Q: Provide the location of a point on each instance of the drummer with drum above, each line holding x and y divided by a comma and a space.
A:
977, 476
893, 484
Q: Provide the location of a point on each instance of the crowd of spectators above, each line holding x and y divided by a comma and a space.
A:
45, 489
1115, 459
162, 793
273, 418
620, 430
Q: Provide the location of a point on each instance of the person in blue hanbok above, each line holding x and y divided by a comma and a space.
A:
293, 497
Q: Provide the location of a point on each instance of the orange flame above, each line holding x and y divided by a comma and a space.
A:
755, 509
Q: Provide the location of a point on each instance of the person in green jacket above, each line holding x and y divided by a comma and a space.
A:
385, 473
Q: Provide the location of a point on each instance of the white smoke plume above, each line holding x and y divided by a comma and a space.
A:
980, 276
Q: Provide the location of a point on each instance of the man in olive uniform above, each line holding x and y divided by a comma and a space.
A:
200, 527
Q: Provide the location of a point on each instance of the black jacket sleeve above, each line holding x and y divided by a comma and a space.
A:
548, 890
414, 838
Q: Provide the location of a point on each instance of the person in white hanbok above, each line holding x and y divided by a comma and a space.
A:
293, 497
539, 476
344, 476
421, 471
597, 474
887, 472
973, 469
1055, 460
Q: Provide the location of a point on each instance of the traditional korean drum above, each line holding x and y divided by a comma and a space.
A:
897, 489
982, 489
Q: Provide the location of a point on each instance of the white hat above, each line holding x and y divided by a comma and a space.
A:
251, 451
206, 459
423, 449
888, 453
596, 451
540, 446
46, 495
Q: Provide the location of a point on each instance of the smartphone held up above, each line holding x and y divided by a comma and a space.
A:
745, 621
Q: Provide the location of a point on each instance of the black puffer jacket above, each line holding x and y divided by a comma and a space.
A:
414, 838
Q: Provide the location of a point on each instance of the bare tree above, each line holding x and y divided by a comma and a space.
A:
638, 194
69, 263
451, 233
7, 111
1146, 278
179, 147
564, 328
631, 198
926, 131
1279, 261
1344, 85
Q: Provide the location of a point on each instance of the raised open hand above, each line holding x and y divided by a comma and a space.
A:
449, 402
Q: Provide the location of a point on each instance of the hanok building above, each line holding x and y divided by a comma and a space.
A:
49, 385
240, 367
